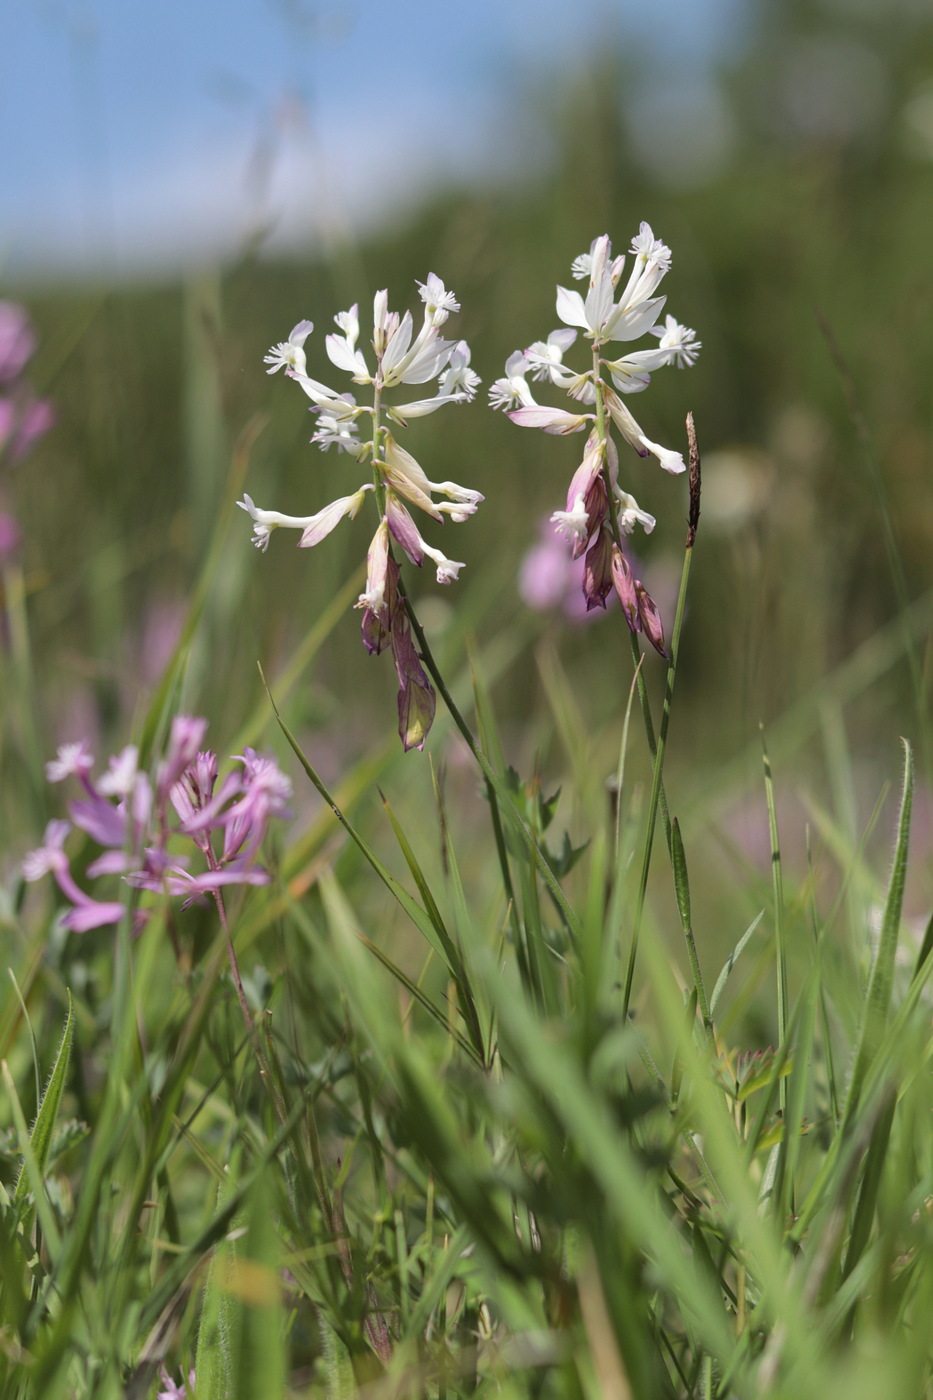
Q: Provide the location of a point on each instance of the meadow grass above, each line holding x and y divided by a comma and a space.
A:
554, 1082
497, 1141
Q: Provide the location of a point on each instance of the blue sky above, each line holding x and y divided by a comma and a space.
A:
143, 136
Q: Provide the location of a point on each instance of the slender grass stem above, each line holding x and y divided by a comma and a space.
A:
657, 751
493, 781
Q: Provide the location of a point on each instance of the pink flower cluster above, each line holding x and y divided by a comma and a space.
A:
135, 819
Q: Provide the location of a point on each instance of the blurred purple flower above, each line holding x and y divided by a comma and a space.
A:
24, 419
10, 536
17, 340
549, 579
129, 817
172, 1391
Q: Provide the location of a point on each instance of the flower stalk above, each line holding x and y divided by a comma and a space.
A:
398, 480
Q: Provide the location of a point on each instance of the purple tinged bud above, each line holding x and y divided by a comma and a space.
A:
375, 636
597, 572
416, 699
378, 576
185, 739
650, 618
404, 529
624, 584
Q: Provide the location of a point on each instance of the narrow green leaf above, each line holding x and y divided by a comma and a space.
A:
452, 955
731, 961
418, 916
254, 1280
681, 882
423, 1000
682, 891
881, 983
925, 948
871, 1183
40, 1139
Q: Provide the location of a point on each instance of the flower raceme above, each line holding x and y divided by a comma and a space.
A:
402, 357
129, 815
598, 512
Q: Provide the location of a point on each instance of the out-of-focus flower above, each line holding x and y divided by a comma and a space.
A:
402, 356
17, 340
549, 579
24, 417
130, 817
172, 1390
10, 536
598, 512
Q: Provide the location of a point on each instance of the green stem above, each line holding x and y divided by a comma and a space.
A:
493, 781
657, 790
265, 1071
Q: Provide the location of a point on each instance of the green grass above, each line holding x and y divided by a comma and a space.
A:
576, 1076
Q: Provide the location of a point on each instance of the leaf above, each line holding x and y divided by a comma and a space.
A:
732, 959
881, 983
40, 1139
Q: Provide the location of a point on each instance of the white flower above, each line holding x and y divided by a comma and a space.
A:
631, 515
631, 373
636, 310
289, 353
583, 265
338, 432
573, 523
458, 379
327, 399
672, 462
513, 389
407, 363
341, 349
457, 384
318, 526
679, 341
551, 420
438, 302
448, 570
314, 527
546, 357
651, 249
120, 778
71, 759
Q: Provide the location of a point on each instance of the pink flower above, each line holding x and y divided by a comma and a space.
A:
17, 340
183, 1390
549, 578
130, 820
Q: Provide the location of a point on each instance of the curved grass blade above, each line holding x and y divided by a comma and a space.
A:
731, 961
40, 1139
421, 997
880, 987
419, 917
452, 953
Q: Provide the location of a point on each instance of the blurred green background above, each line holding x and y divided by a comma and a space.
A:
804, 260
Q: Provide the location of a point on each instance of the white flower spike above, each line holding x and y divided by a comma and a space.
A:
401, 357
